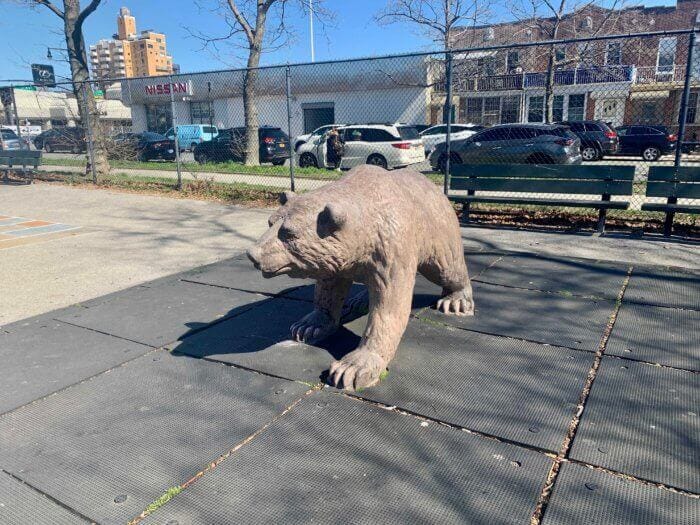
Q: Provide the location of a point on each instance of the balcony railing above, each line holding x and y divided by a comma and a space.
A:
655, 75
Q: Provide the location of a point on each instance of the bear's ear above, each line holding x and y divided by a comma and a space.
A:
331, 219
286, 196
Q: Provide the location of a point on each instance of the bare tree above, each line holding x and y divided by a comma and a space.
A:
73, 18
565, 19
445, 22
262, 27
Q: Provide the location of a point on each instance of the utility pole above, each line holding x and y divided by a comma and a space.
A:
311, 27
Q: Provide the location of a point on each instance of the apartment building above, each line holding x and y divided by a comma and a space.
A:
622, 81
130, 53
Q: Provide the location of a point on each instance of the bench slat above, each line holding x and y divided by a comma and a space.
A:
589, 187
618, 205
672, 173
673, 189
676, 208
544, 171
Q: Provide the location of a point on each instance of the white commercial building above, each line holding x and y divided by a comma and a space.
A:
378, 90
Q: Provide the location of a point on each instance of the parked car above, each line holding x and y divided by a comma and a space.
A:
648, 141
420, 128
385, 145
513, 144
230, 145
143, 146
189, 135
10, 141
434, 135
318, 132
70, 139
597, 138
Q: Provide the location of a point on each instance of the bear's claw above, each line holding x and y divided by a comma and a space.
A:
358, 369
313, 327
456, 303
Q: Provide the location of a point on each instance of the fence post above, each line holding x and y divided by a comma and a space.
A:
683, 115
177, 140
448, 131
88, 131
289, 128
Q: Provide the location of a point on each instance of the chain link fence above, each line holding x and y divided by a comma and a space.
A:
627, 100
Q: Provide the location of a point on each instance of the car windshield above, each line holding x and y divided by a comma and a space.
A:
275, 133
8, 134
408, 132
208, 129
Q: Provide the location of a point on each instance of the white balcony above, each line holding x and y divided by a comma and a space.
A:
655, 75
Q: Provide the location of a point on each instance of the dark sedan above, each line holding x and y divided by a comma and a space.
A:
143, 147
648, 141
62, 139
229, 145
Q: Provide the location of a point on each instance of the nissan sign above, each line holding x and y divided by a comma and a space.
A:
170, 87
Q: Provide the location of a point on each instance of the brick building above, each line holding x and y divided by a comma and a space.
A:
130, 54
621, 81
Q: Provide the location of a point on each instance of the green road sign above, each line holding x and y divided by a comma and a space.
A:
98, 93
26, 88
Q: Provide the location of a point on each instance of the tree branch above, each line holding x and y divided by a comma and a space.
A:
51, 7
86, 12
241, 19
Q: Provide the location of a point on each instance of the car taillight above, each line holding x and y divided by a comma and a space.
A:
611, 134
564, 142
402, 145
268, 140
672, 138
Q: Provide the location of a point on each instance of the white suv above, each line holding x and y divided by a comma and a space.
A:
385, 145
314, 135
438, 134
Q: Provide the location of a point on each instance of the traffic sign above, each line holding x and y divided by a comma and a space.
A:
43, 75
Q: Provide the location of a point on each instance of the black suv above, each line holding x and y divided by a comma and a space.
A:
62, 139
230, 145
597, 138
142, 146
648, 141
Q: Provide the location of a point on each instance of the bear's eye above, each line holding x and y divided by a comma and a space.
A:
286, 234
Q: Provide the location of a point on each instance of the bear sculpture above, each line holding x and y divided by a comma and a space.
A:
378, 228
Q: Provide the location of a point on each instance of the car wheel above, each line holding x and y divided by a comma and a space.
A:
442, 162
278, 162
377, 160
201, 158
590, 153
307, 160
47, 148
193, 145
299, 145
75, 150
651, 153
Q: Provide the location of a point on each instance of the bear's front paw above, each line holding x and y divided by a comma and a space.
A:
313, 327
358, 369
457, 303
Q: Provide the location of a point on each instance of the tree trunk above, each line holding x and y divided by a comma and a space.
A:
549, 87
80, 74
251, 154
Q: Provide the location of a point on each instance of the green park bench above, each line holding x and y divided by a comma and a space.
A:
22, 161
602, 180
673, 183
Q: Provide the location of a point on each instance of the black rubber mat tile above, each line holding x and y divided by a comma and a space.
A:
577, 277
259, 339
20, 504
584, 495
667, 336
332, 459
512, 389
643, 420
664, 287
42, 356
536, 316
239, 273
110, 446
161, 314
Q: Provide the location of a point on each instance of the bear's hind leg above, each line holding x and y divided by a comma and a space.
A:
324, 320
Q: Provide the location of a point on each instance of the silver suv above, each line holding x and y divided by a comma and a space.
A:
513, 144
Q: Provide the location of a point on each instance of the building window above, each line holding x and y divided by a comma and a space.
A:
692, 108
510, 109
513, 59
159, 117
585, 52
560, 54
577, 107
613, 54
666, 56
201, 112
491, 110
474, 109
558, 108
535, 110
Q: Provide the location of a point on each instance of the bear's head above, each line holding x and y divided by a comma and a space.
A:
308, 237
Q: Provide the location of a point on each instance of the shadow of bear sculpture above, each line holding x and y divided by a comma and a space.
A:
375, 227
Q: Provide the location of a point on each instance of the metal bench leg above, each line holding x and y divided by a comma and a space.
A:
602, 213
465, 212
668, 223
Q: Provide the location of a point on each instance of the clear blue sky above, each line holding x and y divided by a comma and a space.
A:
24, 34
